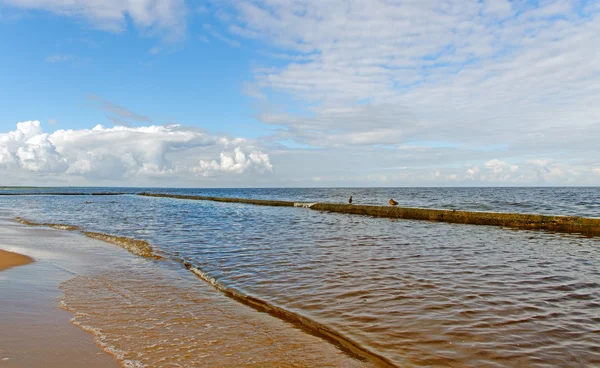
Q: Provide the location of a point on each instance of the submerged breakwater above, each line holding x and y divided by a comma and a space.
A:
343, 342
257, 202
566, 224
135, 246
55, 226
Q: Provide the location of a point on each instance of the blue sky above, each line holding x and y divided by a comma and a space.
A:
300, 92
56, 62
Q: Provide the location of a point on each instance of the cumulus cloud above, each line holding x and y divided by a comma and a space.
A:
164, 17
235, 162
124, 152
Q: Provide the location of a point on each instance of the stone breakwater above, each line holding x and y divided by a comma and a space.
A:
566, 224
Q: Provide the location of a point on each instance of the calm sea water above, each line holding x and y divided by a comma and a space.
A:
417, 293
568, 201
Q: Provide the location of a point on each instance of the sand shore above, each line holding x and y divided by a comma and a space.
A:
10, 259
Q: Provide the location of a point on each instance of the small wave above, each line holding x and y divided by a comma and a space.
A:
100, 338
54, 226
63, 227
135, 246
27, 222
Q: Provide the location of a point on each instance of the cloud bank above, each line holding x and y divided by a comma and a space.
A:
122, 153
421, 87
381, 72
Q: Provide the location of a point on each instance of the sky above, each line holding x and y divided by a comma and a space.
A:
299, 93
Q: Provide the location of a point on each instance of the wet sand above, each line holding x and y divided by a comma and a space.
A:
134, 311
10, 259
35, 331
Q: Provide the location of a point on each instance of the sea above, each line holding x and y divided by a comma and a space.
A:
414, 293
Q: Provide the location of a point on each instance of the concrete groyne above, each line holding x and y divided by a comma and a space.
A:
565, 224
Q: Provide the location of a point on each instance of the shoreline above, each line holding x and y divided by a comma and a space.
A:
36, 332
12, 259
237, 334
143, 249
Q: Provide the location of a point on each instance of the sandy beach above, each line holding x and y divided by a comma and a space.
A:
10, 259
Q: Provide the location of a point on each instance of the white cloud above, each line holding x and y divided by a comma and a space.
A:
164, 17
502, 82
437, 69
500, 8
123, 152
235, 162
498, 166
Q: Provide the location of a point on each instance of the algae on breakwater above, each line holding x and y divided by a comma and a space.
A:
565, 224
55, 226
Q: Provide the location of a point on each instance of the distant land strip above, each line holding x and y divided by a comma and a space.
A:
565, 224
63, 194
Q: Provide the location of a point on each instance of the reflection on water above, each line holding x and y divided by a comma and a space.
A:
418, 293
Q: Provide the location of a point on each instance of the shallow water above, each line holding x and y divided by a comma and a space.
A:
148, 321
145, 314
417, 293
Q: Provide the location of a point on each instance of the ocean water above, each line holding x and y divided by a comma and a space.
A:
416, 293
